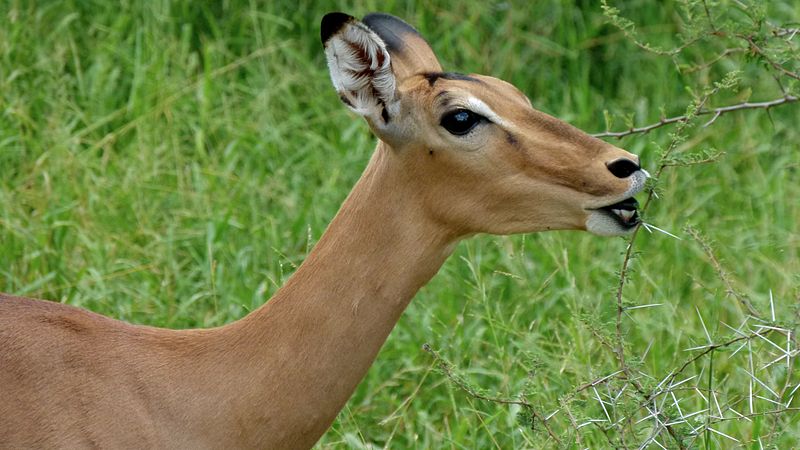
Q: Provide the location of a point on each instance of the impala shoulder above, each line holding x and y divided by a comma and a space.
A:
30, 316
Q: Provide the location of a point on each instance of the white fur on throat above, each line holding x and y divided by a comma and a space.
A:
361, 71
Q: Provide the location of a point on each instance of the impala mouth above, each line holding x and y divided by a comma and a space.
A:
624, 212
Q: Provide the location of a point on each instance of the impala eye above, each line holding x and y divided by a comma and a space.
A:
460, 121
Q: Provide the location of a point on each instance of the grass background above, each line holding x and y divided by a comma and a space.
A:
170, 163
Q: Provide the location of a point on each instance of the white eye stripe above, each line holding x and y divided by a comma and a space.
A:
479, 107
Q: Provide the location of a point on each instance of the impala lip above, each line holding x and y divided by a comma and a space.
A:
625, 212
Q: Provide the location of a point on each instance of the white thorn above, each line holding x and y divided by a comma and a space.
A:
771, 305
650, 225
719, 410
738, 414
771, 343
769, 400
755, 378
704, 325
597, 394
677, 403
650, 305
723, 434
705, 399
681, 382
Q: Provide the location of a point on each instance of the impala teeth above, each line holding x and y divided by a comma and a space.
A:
625, 214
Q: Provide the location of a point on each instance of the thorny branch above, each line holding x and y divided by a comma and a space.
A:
663, 164
668, 385
716, 113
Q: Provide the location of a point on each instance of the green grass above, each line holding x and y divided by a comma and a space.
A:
170, 163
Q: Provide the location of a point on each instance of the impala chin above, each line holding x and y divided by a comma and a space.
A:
620, 217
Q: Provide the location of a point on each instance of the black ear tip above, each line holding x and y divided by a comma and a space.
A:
390, 28
331, 23
377, 21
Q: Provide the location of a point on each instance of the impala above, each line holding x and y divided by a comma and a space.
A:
457, 155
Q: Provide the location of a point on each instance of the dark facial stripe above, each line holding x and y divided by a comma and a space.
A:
512, 140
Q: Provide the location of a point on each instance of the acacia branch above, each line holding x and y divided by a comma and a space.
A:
703, 112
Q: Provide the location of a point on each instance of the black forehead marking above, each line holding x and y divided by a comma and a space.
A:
432, 77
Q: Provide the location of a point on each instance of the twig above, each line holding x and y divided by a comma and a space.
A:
596, 382
781, 32
574, 425
716, 59
447, 369
710, 159
703, 112
743, 300
758, 414
770, 61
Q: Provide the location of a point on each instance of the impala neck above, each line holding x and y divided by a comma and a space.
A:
320, 333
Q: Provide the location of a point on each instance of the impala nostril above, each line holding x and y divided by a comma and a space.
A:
623, 167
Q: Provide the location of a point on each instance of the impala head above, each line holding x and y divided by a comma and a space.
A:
484, 159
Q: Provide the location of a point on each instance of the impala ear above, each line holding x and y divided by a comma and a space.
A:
411, 54
361, 69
